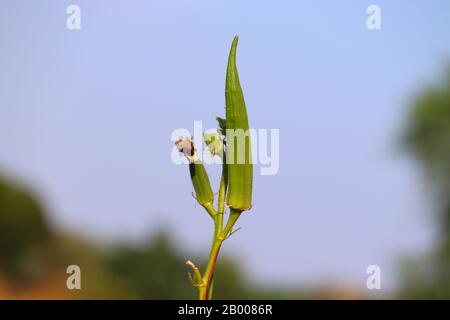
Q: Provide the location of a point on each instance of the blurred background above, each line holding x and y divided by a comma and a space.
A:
86, 176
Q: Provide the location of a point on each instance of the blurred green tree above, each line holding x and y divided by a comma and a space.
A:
156, 270
427, 137
34, 256
24, 233
152, 271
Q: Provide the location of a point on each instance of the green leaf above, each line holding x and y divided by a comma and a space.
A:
222, 125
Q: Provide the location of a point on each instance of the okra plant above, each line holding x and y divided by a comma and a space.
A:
231, 143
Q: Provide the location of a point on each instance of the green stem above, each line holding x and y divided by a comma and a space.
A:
220, 234
217, 238
210, 209
205, 291
223, 186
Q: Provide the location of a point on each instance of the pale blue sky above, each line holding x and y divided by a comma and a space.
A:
86, 118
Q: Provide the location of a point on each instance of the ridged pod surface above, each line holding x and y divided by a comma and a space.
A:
240, 174
201, 184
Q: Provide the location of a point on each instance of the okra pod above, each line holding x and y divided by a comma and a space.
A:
240, 167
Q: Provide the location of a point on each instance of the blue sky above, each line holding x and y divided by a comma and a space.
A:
86, 118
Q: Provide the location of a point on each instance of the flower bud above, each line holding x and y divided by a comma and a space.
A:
214, 143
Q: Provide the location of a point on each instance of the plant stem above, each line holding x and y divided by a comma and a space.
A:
209, 208
223, 186
219, 237
220, 234
209, 271
205, 290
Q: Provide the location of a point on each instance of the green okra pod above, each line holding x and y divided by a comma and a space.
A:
201, 184
239, 162
199, 176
